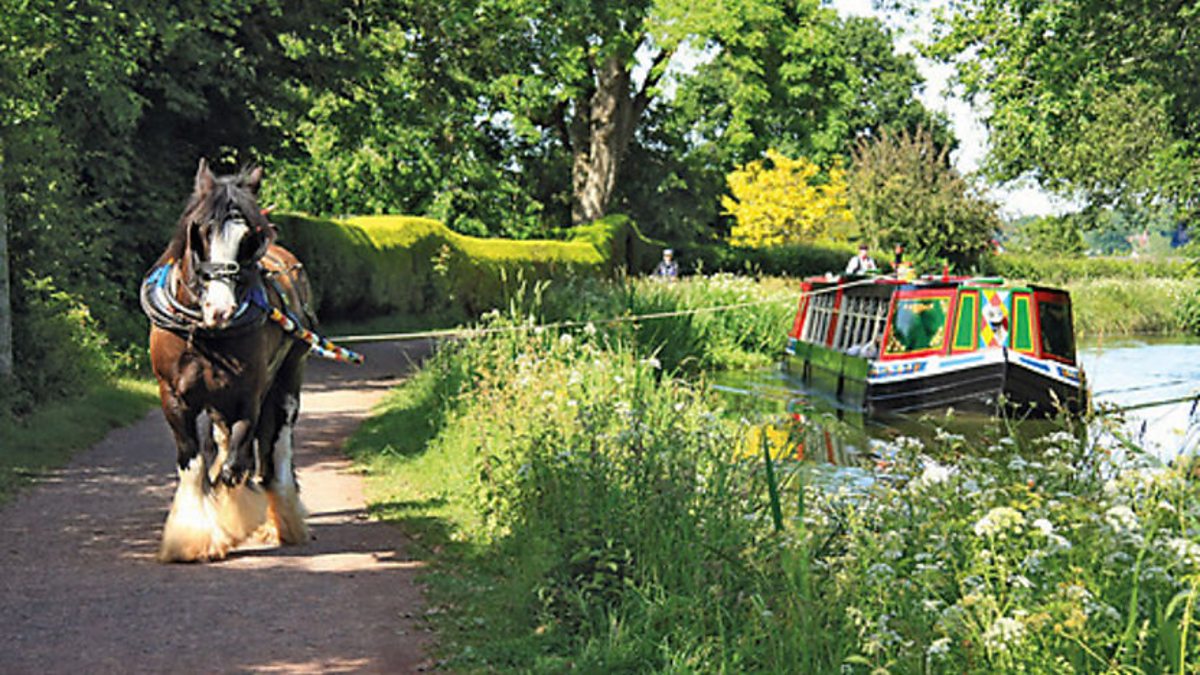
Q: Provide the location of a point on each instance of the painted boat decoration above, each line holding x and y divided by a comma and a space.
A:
896, 346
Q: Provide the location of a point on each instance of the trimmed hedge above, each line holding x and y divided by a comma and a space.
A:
787, 261
373, 265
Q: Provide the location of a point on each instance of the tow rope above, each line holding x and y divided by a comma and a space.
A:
166, 312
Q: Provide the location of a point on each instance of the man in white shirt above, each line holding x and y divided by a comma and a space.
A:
861, 263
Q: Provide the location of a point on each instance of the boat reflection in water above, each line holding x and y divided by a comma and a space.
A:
798, 422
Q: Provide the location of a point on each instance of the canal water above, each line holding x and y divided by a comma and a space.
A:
1147, 387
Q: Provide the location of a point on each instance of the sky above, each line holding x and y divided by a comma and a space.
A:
1015, 201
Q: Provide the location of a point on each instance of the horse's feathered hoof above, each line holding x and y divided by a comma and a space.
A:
204, 523
234, 473
285, 517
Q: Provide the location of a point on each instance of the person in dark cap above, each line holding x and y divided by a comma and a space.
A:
861, 263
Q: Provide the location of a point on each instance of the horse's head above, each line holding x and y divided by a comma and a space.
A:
224, 234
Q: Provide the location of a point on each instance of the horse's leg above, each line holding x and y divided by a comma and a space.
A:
241, 506
191, 531
239, 460
285, 512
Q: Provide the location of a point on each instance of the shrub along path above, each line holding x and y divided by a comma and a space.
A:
80, 590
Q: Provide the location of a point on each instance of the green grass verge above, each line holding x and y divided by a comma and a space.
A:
46, 439
1111, 307
581, 511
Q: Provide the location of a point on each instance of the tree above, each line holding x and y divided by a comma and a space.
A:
787, 202
793, 76
516, 117
904, 191
1096, 99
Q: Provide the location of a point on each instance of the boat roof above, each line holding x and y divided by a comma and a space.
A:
929, 281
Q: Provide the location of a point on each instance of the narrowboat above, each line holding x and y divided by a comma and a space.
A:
900, 346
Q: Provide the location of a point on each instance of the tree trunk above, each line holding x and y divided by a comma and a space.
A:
6, 320
601, 131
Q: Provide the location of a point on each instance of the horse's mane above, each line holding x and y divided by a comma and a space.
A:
213, 197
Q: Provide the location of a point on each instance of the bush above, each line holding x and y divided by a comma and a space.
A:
377, 264
58, 348
791, 261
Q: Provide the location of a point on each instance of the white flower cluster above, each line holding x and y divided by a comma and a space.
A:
998, 521
1003, 633
1122, 519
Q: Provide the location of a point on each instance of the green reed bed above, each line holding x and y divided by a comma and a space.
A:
585, 510
1111, 306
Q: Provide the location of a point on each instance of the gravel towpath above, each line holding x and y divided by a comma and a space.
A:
80, 590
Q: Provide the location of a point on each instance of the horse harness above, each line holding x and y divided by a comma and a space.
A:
164, 309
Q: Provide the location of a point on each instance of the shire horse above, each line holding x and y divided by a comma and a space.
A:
228, 378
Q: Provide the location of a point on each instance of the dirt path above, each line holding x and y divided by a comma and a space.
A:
80, 590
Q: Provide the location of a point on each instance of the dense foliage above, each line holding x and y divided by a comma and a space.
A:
507, 117
903, 190
1099, 99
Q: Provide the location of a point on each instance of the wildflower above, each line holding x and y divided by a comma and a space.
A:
566, 339
934, 473
1044, 526
938, 648
1002, 633
589, 329
1121, 518
1020, 581
653, 363
881, 572
1186, 550
998, 520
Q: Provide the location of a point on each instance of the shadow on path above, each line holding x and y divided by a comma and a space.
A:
80, 590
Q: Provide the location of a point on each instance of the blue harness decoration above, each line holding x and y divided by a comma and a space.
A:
165, 311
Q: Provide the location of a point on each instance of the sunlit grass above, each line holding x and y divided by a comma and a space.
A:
47, 438
1112, 307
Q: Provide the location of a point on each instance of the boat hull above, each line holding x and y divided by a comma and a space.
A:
975, 383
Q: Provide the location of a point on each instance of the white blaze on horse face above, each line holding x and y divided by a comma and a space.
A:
220, 295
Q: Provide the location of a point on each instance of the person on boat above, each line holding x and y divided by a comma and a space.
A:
861, 263
901, 267
667, 269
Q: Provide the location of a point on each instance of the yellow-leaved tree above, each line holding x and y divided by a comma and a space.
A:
781, 200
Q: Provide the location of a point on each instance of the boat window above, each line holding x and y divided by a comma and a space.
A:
820, 315
918, 325
1054, 319
861, 322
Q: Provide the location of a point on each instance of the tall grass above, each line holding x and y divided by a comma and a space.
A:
1105, 307
754, 334
589, 512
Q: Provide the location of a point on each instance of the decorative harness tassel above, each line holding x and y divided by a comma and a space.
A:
319, 345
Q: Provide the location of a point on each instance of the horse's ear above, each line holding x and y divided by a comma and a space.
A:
204, 178
253, 180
